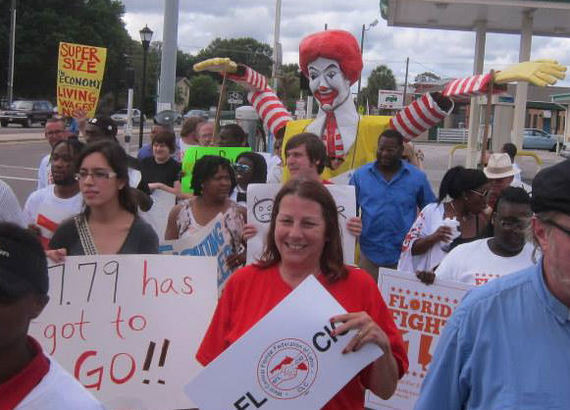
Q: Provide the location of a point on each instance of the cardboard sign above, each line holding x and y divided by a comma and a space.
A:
194, 153
128, 326
390, 99
80, 70
221, 238
260, 198
157, 215
420, 312
286, 361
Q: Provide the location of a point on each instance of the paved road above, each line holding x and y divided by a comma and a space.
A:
19, 160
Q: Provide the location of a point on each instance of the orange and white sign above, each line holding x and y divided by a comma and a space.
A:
420, 312
80, 70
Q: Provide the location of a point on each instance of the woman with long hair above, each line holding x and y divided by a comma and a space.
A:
457, 217
250, 168
303, 240
109, 223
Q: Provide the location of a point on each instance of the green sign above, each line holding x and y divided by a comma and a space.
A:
194, 153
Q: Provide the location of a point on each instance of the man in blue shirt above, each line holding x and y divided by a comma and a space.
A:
389, 193
508, 344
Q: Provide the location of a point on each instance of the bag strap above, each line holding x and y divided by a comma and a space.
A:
85, 236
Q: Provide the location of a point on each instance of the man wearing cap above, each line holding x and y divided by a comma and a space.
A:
332, 61
28, 378
507, 344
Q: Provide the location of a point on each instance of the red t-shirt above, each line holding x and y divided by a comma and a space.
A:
252, 292
15, 389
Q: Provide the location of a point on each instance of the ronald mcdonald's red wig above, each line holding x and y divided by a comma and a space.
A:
338, 45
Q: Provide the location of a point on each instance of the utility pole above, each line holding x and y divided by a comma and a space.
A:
406, 80
11, 54
362, 54
276, 45
168, 59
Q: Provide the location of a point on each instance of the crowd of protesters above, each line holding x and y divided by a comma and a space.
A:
481, 225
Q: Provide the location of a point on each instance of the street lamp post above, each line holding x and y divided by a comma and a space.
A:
146, 36
364, 28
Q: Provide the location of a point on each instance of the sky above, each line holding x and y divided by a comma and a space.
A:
445, 53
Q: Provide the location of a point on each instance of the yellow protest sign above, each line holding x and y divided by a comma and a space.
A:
80, 70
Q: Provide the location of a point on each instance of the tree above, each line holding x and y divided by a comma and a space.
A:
381, 78
203, 91
289, 85
245, 50
42, 24
426, 77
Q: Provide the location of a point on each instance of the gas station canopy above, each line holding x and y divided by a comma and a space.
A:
550, 18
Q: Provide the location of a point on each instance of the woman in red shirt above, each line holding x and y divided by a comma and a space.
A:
304, 239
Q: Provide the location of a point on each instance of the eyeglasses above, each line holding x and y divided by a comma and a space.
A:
241, 168
515, 223
557, 225
97, 175
482, 194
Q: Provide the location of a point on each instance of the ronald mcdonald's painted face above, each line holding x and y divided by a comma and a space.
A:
328, 83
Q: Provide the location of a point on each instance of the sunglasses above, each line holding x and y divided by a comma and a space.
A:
482, 194
241, 168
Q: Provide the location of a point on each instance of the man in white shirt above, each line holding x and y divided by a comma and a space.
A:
46, 208
508, 251
29, 379
54, 132
10, 210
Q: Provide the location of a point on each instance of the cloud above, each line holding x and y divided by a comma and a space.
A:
446, 53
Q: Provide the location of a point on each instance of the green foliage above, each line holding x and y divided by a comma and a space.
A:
203, 91
381, 78
42, 24
426, 77
289, 85
245, 50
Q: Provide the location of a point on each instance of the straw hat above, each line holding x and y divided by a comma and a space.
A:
499, 166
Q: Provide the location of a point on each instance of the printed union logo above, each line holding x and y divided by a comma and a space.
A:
287, 369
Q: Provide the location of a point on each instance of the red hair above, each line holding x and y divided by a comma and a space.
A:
338, 45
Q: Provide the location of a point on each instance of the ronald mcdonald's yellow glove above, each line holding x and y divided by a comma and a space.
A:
538, 72
217, 65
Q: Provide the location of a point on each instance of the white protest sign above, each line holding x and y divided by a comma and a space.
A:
221, 238
157, 215
287, 360
128, 326
260, 198
420, 312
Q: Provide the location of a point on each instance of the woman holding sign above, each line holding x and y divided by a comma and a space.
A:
213, 180
109, 223
303, 240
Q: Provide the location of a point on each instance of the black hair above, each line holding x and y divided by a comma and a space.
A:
511, 149
206, 167
458, 180
315, 148
72, 143
106, 125
390, 133
117, 159
513, 195
235, 133
259, 166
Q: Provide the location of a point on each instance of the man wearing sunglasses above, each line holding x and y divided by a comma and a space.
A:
507, 344
28, 378
508, 251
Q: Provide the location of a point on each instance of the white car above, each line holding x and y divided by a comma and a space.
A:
120, 117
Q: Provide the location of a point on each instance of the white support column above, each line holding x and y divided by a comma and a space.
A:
167, 90
522, 87
475, 108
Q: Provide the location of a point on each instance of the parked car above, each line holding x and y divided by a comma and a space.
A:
197, 113
533, 138
27, 112
120, 117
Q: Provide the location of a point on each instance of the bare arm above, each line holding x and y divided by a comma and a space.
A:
171, 231
422, 245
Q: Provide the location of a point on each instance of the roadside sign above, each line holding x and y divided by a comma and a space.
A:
235, 97
390, 99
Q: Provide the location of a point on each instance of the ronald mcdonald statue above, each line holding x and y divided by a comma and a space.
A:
332, 62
